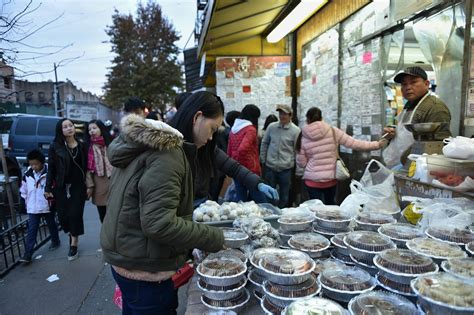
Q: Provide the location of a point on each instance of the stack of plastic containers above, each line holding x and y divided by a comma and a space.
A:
315, 245
364, 245
234, 238
379, 302
400, 233
331, 220
289, 275
397, 267
222, 281
293, 221
256, 276
344, 283
371, 221
444, 294
450, 235
340, 251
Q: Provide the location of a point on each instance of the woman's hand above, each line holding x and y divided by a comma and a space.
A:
89, 192
382, 143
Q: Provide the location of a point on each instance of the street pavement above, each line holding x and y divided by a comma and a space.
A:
85, 285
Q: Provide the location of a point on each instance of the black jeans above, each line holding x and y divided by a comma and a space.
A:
326, 195
147, 298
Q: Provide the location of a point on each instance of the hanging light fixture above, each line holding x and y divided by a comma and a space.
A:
297, 16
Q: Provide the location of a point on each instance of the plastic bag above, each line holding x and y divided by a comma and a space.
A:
375, 191
421, 171
466, 185
459, 148
403, 141
117, 297
443, 215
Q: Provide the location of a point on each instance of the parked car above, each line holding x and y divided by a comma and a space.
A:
22, 133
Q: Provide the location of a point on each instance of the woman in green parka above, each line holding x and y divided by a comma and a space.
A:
148, 231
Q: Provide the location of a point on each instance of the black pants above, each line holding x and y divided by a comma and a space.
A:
102, 210
71, 208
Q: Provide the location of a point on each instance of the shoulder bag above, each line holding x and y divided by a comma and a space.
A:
342, 173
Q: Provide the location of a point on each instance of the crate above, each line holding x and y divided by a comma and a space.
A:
443, 166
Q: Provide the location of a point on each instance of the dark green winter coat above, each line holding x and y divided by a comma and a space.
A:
148, 223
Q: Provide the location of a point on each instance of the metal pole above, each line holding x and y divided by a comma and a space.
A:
8, 186
56, 92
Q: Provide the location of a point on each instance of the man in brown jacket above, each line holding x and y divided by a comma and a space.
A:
421, 106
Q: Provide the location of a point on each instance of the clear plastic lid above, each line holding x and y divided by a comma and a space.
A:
297, 215
435, 249
308, 288
368, 241
269, 307
221, 288
332, 214
330, 231
322, 265
234, 234
221, 267
470, 247
347, 279
256, 278
379, 302
229, 252
338, 240
261, 252
404, 261
314, 305
374, 218
400, 231
308, 242
288, 262
452, 235
445, 289
461, 267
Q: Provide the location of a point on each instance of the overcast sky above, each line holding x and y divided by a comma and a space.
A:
82, 25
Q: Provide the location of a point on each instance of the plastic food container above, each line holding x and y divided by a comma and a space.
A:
283, 295
342, 284
213, 292
287, 267
400, 233
309, 242
394, 286
435, 249
342, 258
286, 235
444, 166
269, 307
229, 252
255, 282
297, 221
322, 265
443, 293
222, 271
452, 236
338, 242
234, 238
235, 304
404, 263
332, 218
460, 267
314, 305
364, 245
258, 254
371, 221
364, 264
328, 231
379, 302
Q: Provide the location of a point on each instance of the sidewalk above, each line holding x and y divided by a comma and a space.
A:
85, 285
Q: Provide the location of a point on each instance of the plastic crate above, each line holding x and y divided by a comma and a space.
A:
439, 165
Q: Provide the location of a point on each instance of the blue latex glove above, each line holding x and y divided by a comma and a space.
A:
269, 191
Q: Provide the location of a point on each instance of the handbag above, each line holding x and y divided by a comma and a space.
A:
342, 173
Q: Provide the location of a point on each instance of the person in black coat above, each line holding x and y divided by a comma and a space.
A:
65, 181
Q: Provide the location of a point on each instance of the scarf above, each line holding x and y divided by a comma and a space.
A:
97, 160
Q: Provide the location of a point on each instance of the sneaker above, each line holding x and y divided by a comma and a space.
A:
73, 254
54, 245
26, 259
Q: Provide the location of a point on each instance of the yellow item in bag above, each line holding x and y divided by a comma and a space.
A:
410, 215
412, 169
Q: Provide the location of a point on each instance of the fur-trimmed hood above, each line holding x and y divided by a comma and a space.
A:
138, 135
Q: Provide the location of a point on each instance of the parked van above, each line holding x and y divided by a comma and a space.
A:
22, 133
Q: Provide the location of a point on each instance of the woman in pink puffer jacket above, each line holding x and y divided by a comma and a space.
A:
316, 153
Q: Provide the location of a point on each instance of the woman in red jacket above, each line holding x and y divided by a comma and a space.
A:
243, 147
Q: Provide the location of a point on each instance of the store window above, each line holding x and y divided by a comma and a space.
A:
7, 83
41, 97
29, 97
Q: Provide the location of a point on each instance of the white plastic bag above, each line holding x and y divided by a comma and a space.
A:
445, 213
459, 148
403, 141
421, 172
375, 191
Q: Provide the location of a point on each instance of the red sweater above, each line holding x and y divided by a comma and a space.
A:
243, 147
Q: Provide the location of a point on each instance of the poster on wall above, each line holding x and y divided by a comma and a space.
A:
263, 81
